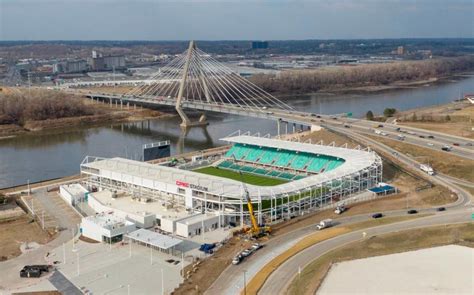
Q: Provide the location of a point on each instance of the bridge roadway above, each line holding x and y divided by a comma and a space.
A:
420, 137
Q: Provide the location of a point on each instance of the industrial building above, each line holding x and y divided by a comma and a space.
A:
309, 176
70, 66
98, 62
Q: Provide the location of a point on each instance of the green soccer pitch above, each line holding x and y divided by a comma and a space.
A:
247, 177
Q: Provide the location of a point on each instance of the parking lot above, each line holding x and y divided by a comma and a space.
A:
118, 268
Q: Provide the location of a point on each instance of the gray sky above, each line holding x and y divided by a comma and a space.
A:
233, 20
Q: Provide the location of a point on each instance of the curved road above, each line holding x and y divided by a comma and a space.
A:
281, 278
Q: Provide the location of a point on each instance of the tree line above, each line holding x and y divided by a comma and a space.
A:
21, 106
306, 81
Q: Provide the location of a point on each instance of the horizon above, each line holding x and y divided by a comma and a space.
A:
237, 40
212, 20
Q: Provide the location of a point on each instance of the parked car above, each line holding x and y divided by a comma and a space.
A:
33, 271
246, 253
421, 136
440, 209
237, 259
430, 144
380, 126
256, 246
455, 144
430, 136
377, 215
412, 211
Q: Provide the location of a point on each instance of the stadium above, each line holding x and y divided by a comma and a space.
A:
283, 178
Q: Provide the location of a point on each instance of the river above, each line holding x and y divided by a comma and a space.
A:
46, 155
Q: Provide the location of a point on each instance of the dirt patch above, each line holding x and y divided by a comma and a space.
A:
15, 232
328, 137
463, 129
453, 118
312, 275
88, 240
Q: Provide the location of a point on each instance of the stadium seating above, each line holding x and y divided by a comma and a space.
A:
300, 161
277, 158
284, 158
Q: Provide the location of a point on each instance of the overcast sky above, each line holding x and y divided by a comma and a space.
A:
233, 20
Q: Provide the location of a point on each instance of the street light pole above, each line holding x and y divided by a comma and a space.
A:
245, 283
162, 283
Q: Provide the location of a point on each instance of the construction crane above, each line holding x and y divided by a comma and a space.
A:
256, 231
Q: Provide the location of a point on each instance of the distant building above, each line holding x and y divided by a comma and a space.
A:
401, 50
259, 44
68, 67
98, 62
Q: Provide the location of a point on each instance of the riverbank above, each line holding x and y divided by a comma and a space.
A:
362, 75
101, 114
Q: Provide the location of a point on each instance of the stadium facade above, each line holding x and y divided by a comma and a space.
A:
289, 178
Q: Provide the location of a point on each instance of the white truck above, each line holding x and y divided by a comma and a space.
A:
428, 169
324, 224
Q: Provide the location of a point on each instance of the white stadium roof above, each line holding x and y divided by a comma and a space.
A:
156, 176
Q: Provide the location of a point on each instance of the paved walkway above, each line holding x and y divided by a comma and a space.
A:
63, 285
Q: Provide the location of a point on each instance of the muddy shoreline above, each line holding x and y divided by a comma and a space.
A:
13, 130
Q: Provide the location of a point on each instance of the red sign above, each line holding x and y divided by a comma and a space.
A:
182, 184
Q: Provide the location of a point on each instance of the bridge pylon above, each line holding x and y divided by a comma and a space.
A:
186, 122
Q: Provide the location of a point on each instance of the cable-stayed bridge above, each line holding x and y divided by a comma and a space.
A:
195, 80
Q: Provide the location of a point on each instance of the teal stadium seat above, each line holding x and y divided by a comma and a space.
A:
300, 161
284, 158
268, 156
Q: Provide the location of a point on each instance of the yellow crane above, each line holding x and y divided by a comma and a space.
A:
256, 231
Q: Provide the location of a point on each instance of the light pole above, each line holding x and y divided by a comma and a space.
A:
162, 283
245, 283
64, 253
78, 269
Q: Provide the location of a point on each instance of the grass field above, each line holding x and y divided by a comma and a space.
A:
247, 178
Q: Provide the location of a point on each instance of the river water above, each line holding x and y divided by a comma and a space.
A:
46, 155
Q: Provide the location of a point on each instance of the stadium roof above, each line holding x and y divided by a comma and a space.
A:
157, 176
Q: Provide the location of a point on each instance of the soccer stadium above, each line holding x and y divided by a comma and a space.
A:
283, 178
